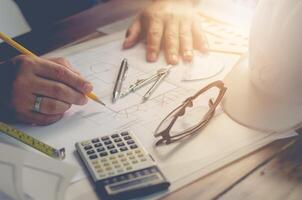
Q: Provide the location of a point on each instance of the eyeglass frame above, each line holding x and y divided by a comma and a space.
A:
165, 134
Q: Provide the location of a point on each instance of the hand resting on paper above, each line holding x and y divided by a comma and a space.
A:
24, 79
171, 24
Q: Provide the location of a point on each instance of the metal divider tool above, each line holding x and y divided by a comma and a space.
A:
158, 78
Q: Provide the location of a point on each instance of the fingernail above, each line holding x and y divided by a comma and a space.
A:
124, 45
174, 59
188, 55
152, 57
88, 88
205, 51
84, 101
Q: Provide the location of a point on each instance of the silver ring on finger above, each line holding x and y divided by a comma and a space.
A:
37, 104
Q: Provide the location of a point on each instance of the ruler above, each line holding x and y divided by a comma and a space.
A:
32, 142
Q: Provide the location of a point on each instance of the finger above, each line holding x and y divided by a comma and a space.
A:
186, 41
200, 42
58, 91
133, 34
56, 72
38, 118
172, 40
51, 106
64, 62
154, 37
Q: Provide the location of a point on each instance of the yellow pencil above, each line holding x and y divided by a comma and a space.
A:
25, 51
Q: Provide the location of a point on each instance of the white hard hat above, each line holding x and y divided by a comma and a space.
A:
265, 88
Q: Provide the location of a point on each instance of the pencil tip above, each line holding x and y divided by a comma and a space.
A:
99, 101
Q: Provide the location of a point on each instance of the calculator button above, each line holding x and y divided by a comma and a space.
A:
124, 133
103, 160
123, 148
136, 174
113, 151
120, 171
85, 143
114, 162
114, 180
96, 140
134, 146
137, 151
129, 168
107, 142
129, 153
88, 147
127, 138
102, 175
117, 140
98, 145
134, 162
111, 173
106, 164
143, 159
103, 154
111, 146
130, 142
122, 178
97, 166
94, 162
114, 135
120, 144
130, 176
100, 149
153, 170
90, 152
108, 168
93, 157
131, 157
112, 158
117, 166
105, 138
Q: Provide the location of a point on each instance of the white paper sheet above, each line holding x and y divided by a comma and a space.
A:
30, 176
10, 173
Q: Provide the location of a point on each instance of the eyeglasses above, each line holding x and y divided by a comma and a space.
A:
192, 115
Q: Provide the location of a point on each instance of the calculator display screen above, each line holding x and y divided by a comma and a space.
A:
133, 183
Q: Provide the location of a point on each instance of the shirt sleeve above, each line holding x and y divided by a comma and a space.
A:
44, 13
7, 77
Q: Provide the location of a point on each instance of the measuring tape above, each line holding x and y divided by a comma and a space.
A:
32, 142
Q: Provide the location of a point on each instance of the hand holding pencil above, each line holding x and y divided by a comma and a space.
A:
41, 90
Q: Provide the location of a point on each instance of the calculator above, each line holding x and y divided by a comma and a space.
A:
120, 167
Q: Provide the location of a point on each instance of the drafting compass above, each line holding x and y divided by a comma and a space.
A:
156, 78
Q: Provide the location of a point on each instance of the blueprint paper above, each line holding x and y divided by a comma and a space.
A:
103, 56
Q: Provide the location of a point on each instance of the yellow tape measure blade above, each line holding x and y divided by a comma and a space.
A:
32, 142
